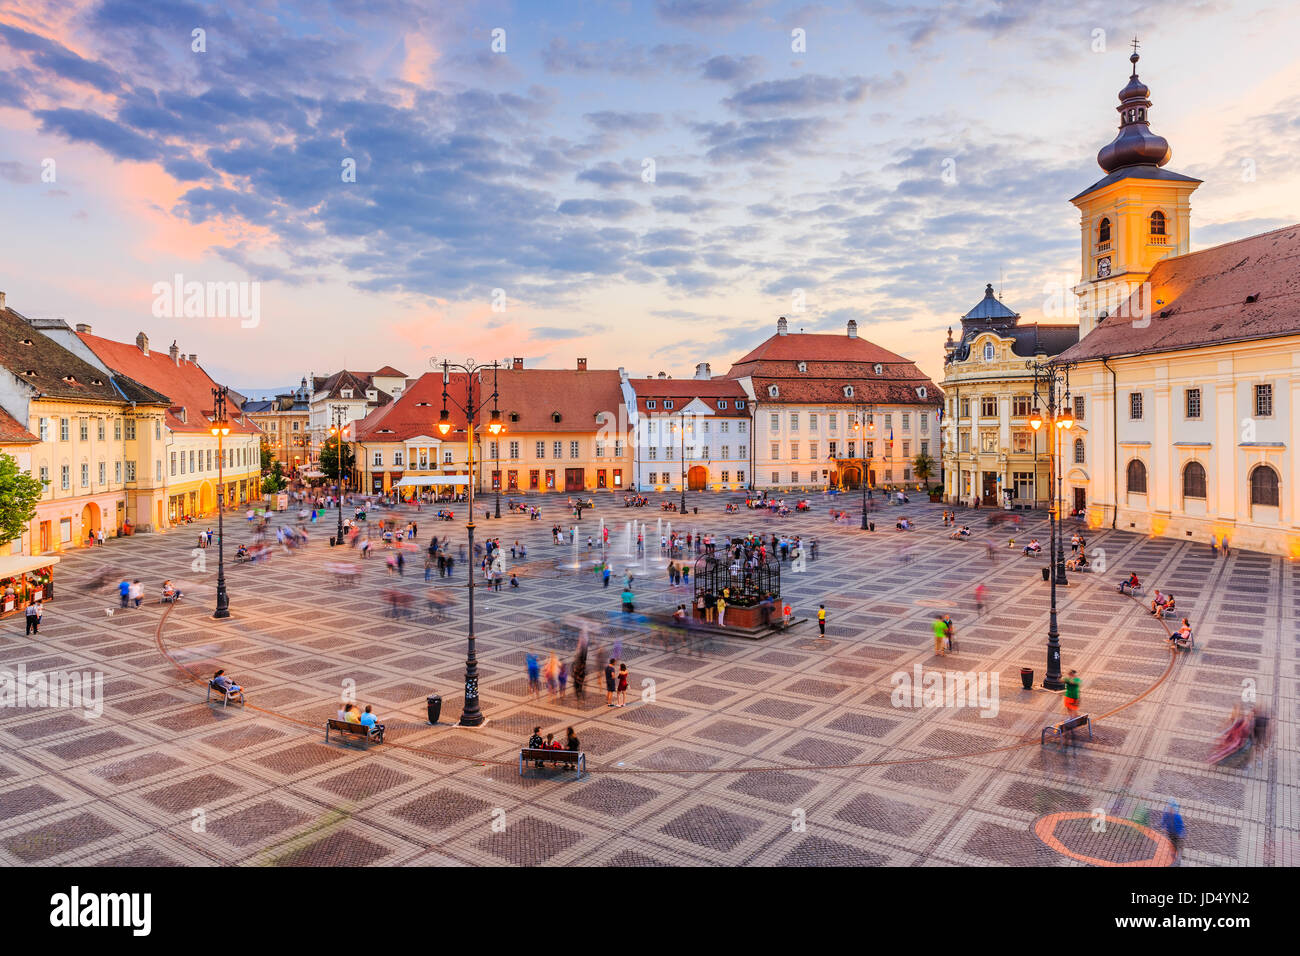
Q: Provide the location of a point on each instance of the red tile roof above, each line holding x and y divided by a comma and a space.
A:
184, 382
830, 363
538, 394
1200, 299
417, 411
682, 391
12, 432
388, 372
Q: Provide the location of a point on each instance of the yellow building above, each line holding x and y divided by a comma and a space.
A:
285, 421
990, 451
99, 436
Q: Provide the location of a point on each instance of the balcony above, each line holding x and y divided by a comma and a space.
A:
1104, 246
1154, 240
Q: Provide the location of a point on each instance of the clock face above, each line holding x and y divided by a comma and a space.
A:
1103, 267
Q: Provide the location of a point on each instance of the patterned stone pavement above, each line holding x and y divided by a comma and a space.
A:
785, 750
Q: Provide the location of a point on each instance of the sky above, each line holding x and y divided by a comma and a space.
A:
645, 184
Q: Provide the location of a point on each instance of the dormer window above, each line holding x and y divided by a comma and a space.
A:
773, 391
803, 366
371, 394
879, 369
651, 403
346, 393
740, 404
988, 351
555, 417
722, 403
920, 392
514, 416
668, 403
848, 391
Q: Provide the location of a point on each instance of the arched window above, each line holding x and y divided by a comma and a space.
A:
1078, 451
1157, 223
1137, 477
1103, 231
988, 351
1263, 486
1194, 480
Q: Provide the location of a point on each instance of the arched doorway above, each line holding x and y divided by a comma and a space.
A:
90, 521
697, 478
851, 477
205, 498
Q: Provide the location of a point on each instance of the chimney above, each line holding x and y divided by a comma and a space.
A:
582, 365
781, 326
175, 353
142, 343
82, 327
853, 328
194, 360
2, 300
517, 363
702, 371
663, 374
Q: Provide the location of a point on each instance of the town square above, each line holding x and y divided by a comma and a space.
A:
515, 440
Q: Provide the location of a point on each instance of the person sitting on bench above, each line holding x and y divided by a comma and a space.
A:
1077, 563
170, 592
371, 719
1163, 607
1183, 636
1130, 585
1157, 600
241, 551
1033, 547
571, 740
227, 686
679, 616
535, 743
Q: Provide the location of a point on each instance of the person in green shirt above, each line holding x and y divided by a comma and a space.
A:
940, 632
1072, 693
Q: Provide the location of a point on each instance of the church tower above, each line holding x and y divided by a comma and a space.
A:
1133, 217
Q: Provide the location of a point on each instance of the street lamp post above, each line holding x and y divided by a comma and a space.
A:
1052, 388
865, 425
472, 715
220, 429
340, 414
682, 428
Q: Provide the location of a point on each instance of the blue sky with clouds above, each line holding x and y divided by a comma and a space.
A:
808, 182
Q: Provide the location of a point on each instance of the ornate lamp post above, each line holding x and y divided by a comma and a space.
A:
472, 715
220, 429
340, 418
1052, 388
865, 426
681, 428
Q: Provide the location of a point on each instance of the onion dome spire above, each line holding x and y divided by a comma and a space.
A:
1135, 145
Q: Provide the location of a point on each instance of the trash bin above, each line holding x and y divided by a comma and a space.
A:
331, 541
1027, 678
435, 708
1047, 574
871, 526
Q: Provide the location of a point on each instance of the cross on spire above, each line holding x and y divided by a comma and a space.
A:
1135, 44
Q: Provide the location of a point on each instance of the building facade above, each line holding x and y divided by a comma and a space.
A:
348, 396
991, 454
1193, 384
692, 432
186, 473
98, 436
830, 411
285, 422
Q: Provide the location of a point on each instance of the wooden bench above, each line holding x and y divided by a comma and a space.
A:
225, 693
347, 729
1067, 726
1177, 641
571, 758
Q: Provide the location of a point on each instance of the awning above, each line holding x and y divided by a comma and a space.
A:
427, 481
12, 565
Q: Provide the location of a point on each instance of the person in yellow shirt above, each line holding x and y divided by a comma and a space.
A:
352, 715
821, 619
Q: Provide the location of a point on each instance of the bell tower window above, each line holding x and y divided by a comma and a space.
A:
1157, 223
1103, 231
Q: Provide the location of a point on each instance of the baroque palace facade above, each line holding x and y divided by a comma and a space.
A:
1191, 384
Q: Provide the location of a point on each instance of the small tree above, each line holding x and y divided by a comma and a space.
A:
922, 467
19, 493
275, 481
266, 455
329, 458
